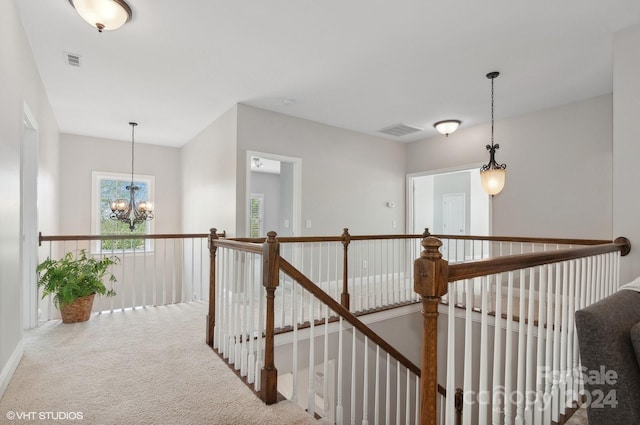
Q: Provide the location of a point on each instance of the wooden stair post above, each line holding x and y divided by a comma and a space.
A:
430, 281
344, 297
270, 280
211, 316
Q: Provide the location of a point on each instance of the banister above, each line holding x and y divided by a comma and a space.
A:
240, 246
62, 238
488, 266
304, 281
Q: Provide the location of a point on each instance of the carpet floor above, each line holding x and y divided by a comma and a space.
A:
145, 366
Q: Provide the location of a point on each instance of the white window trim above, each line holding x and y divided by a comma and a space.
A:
96, 177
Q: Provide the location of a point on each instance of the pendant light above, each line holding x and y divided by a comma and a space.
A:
493, 174
131, 212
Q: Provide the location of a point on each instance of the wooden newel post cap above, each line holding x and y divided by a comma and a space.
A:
212, 235
431, 272
426, 233
271, 236
346, 237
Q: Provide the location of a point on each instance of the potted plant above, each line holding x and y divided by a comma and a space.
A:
74, 282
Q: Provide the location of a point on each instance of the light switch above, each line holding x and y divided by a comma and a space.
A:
307, 224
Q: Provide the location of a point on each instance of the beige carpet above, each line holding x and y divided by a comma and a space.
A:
148, 366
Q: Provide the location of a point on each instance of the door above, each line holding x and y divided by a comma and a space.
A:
454, 213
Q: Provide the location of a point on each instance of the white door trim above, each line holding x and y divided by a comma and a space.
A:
29, 218
297, 187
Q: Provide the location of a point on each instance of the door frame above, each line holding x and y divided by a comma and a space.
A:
409, 215
29, 218
296, 226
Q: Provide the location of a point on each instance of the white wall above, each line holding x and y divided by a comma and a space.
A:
347, 177
626, 147
80, 155
209, 177
20, 83
559, 168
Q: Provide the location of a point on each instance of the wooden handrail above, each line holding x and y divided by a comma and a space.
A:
489, 266
61, 238
240, 246
325, 298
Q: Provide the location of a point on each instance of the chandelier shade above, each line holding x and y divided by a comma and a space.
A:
447, 127
130, 211
105, 15
492, 174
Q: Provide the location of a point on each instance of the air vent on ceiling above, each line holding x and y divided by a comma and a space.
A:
72, 59
399, 130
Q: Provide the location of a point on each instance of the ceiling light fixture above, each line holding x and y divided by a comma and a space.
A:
256, 163
103, 14
493, 174
447, 127
131, 212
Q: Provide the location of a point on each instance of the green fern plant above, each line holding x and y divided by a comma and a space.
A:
70, 278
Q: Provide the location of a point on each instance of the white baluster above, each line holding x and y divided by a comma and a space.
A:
251, 359
548, 362
339, 408
376, 396
294, 361
530, 365
497, 356
398, 392
508, 357
483, 387
407, 398
540, 369
365, 391
520, 379
416, 403
353, 378
563, 338
468, 350
246, 329
387, 400
311, 394
325, 370
450, 410
570, 392
555, 389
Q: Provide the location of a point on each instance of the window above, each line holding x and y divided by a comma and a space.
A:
106, 188
256, 215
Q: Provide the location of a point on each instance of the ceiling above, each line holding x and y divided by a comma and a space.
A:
357, 64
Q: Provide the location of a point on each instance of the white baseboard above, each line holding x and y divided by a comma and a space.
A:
10, 367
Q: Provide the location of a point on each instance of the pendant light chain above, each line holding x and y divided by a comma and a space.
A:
492, 110
133, 127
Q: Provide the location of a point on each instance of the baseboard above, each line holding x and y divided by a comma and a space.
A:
10, 367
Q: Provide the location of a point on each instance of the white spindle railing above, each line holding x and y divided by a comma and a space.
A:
531, 353
149, 272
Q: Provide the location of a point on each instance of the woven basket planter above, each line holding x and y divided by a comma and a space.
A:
77, 311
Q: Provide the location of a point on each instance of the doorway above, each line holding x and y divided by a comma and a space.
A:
448, 202
273, 194
29, 219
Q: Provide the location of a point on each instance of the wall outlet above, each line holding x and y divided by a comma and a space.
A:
286, 224
307, 224
394, 223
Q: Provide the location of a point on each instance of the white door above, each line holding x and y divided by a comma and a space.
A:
453, 214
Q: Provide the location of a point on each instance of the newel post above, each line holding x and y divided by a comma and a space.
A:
270, 275
344, 297
211, 316
430, 281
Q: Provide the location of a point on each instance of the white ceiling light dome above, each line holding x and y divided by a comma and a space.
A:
103, 14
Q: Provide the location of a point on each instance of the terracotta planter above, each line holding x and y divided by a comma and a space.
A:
77, 311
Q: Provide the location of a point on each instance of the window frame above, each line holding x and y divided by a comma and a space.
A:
96, 178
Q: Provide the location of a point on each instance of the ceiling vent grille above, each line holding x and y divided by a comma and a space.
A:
72, 59
400, 130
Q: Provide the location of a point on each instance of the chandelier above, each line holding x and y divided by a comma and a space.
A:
493, 174
131, 212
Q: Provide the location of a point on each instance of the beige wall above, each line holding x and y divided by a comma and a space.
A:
626, 147
209, 177
80, 155
559, 168
19, 84
347, 177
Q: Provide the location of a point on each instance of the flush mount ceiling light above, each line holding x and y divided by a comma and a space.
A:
103, 14
493, 174
447, 127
